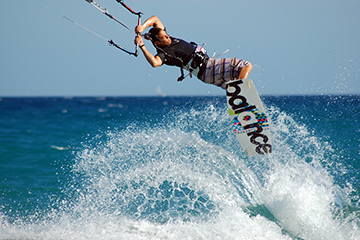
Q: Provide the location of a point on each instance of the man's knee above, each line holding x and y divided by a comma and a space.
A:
245, 71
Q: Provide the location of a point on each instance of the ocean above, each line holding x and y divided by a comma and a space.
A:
171, 168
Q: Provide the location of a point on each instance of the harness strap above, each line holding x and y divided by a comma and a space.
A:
198, 59
195, 61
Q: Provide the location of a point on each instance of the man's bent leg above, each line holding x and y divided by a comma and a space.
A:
245, 71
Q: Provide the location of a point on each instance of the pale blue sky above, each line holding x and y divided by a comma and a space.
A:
297, 47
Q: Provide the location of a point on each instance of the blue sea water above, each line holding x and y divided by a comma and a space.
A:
171, 168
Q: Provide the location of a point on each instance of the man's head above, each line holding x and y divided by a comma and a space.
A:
159, 37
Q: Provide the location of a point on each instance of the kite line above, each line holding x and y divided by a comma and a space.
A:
105, 11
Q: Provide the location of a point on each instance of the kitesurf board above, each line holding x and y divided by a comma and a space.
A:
248, 118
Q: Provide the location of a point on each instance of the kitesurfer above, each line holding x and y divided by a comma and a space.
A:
176, 52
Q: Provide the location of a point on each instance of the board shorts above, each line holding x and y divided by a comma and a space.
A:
219, 71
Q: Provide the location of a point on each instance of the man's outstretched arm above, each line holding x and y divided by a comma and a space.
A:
155, 61
153, 21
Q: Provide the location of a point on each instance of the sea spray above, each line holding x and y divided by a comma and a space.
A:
156, 175
300, 191
182, 175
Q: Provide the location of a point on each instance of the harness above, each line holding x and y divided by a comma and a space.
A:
195, 61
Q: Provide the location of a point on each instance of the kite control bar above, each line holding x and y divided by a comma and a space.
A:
105, 11
139, 21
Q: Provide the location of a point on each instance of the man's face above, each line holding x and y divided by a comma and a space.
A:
165, 39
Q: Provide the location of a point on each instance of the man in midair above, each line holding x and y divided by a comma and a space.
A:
177, 52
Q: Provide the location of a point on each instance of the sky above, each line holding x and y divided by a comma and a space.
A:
308, 47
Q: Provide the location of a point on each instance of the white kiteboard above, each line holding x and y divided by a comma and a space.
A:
248, 118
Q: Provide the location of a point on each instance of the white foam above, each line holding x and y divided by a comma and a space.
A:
114, 170
230, 224
299, 190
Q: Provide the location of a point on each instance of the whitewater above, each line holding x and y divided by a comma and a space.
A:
171, 168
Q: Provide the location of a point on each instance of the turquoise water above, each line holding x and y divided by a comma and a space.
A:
171, 168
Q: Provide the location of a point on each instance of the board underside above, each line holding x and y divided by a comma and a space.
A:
248, 118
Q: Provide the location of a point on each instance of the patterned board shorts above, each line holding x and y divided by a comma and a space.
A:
219, 71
